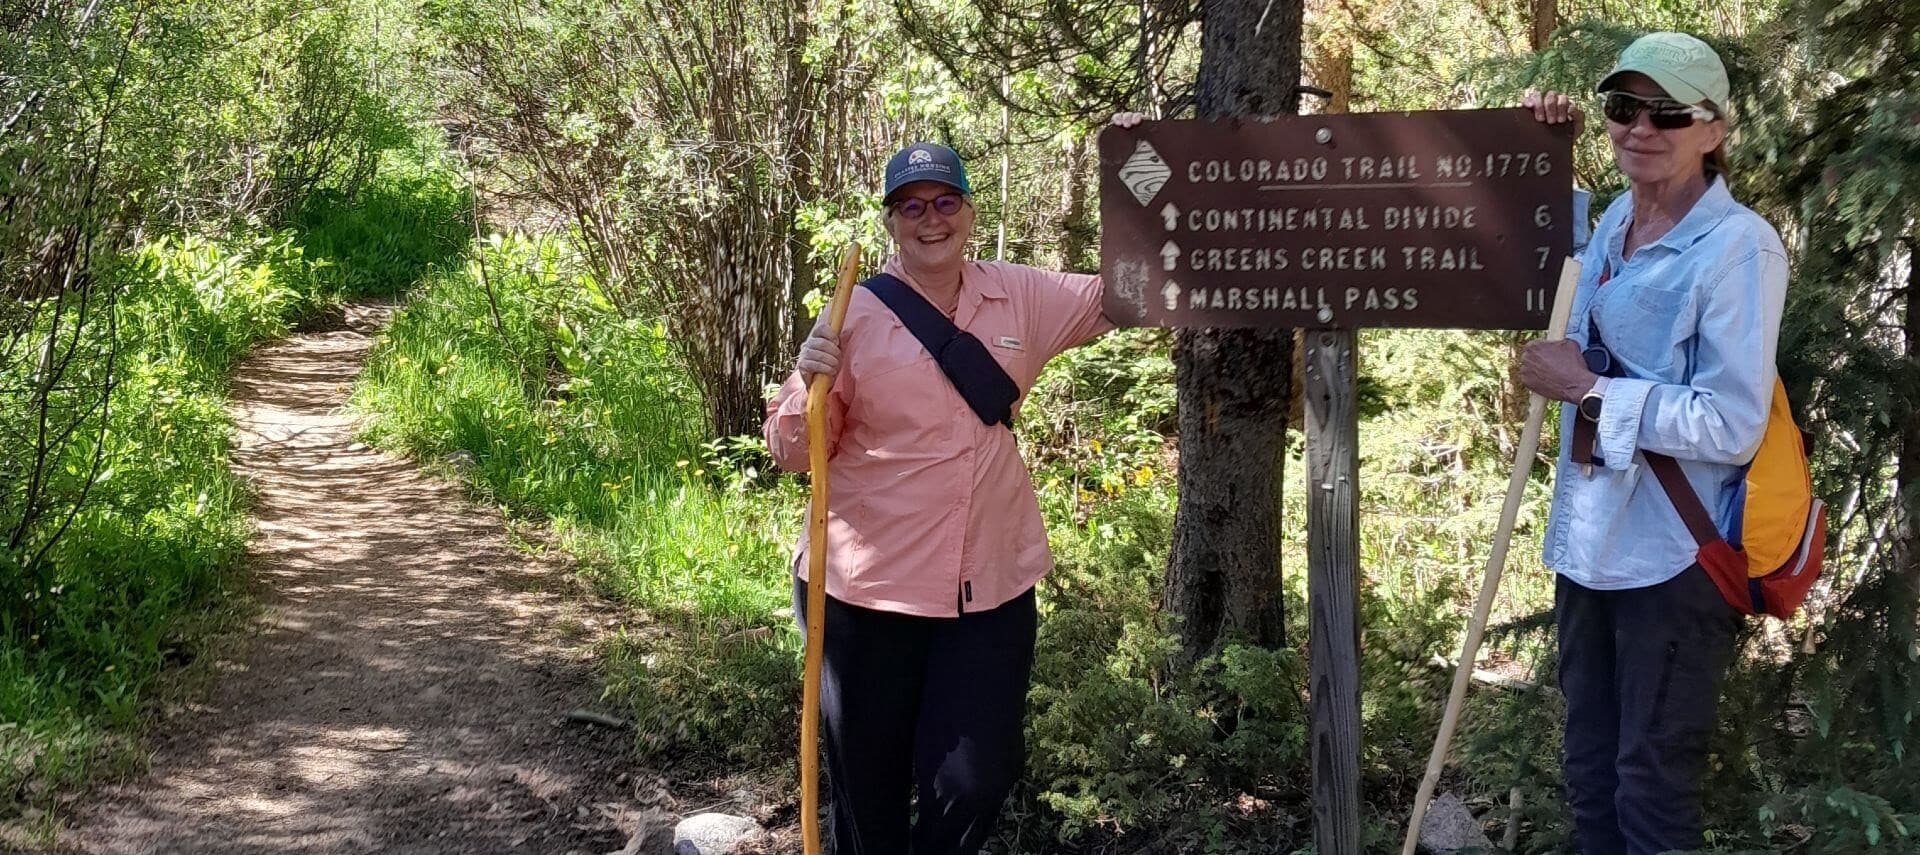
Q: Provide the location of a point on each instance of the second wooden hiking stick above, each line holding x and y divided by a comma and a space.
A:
817, 565
1496, 562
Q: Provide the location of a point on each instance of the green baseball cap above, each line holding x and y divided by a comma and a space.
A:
1684, 66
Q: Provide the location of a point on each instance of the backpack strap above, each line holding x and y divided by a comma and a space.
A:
973, 371
1684, 499
1723, 563
1585, 435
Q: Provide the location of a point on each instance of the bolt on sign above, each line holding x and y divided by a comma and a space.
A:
1452, 218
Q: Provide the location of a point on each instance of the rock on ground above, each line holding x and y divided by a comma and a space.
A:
1450, 827
713, 834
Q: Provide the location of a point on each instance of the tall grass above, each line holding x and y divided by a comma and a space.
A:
387, 236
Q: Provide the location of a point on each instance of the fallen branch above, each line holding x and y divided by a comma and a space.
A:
591, 717
1485, 677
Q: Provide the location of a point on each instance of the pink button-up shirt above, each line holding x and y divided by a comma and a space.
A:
931, 512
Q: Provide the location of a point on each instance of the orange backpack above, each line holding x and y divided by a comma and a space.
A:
1772, 555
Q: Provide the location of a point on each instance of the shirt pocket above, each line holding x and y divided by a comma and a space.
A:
904, 409
1645, 330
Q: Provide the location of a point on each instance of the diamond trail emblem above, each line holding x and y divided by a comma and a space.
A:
1144, 172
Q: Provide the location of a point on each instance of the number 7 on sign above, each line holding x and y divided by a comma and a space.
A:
1545, 252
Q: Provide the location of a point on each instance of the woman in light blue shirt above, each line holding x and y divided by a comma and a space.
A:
1670, 349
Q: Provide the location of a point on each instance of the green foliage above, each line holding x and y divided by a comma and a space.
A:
521, 362
1094, 425
130, 120
1076, 62
148, 557
390, 233
141, 562
1842, 819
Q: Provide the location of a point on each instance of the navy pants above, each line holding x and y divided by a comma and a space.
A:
1641, 672
933, 705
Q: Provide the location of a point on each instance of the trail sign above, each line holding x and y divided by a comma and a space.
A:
1454, 218
1333, 222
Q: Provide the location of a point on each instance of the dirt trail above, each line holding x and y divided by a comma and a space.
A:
408, 685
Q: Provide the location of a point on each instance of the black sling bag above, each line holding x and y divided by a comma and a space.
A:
975, 374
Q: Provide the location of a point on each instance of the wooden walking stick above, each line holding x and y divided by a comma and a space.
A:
1496, 562
817, 565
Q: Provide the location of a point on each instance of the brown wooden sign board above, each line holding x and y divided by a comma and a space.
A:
1452, 218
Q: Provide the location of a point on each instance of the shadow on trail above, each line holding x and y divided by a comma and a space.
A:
408, 687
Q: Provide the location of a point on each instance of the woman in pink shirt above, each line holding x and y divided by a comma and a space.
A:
934, 533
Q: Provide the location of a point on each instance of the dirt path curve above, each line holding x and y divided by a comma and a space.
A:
408, 685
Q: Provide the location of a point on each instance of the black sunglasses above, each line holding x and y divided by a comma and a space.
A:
1664, 113
914, 207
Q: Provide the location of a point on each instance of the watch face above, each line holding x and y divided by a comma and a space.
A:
1590, 407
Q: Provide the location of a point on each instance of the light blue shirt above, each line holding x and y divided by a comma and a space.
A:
1692, 320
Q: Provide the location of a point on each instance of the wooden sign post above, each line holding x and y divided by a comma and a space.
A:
1454, 219
1333, 585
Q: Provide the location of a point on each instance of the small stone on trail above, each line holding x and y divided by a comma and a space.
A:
1450, 827
713, 834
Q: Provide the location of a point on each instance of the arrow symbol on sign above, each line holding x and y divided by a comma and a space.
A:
1172, 294
1171, 214
1170, 255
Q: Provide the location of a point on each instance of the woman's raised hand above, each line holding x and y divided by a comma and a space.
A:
1552, 108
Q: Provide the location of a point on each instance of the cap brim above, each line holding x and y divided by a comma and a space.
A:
915, 179
1677, 89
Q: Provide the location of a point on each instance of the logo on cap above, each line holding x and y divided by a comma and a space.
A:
1676, 54
920, 155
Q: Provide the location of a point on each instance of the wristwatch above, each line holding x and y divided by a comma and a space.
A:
1590, 404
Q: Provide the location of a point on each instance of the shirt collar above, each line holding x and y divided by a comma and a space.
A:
1707, 212
977, 280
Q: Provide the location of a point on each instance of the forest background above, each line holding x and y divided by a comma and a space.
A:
611, 219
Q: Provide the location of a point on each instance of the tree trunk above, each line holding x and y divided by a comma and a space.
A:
1330, 65
1079, 234
802, 131
1906, 478
1546, 16
1223, 576
1513, 394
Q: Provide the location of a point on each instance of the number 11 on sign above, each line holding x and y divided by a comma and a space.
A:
1537, 299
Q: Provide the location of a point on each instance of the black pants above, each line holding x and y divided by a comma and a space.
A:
933, 704
1641, 672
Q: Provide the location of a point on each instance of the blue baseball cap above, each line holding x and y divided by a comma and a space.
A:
925, 161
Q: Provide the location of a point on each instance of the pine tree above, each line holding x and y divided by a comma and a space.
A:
1839, 150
